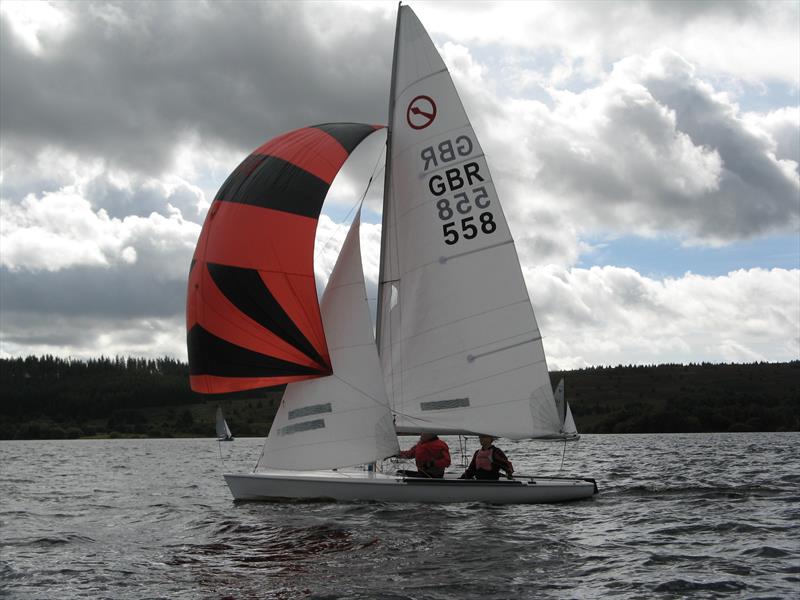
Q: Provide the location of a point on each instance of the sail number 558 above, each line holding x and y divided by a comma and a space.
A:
466, 227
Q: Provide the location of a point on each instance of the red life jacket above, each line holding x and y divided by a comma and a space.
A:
483, 459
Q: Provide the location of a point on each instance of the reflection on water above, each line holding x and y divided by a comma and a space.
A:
705, 515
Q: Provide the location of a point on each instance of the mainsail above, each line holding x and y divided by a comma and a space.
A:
460, 347
252, 315
343, 419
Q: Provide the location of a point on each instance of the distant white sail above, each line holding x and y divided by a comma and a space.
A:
569, 428
223, 431
558, 397
343, 419
460, 347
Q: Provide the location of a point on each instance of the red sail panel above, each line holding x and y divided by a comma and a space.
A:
311, 149
261, 239
221, 318
252, 313
210, 384
289, 289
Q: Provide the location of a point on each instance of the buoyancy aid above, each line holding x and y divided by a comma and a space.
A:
483, 459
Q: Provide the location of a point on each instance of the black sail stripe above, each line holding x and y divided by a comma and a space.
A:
211, 355
349, 135
247, 291
271, 182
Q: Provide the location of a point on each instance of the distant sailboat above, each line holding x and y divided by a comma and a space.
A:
568, 429
458, 349
223, 431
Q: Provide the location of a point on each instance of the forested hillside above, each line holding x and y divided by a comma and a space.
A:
684, 398
48, 397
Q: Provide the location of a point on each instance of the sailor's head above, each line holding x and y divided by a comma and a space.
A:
426, 436
486, 440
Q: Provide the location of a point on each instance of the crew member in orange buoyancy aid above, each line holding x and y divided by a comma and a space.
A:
487, 462
431, 454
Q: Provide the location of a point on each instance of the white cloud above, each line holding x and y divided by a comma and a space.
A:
597, 118
32, 21
652, 150
610, 315
575, 42
61, 230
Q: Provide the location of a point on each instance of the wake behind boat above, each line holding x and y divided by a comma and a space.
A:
458, 349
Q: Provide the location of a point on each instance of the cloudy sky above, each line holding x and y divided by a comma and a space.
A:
646, 155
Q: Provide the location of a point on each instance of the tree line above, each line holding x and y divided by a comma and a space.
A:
52, 397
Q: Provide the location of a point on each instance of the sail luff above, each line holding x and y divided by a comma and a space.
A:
387, 184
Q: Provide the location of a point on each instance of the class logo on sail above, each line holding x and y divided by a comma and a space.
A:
421, 112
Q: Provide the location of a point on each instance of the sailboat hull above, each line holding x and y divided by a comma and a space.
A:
379, 487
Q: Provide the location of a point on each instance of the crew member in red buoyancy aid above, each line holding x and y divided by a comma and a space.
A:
487, 462
431, 454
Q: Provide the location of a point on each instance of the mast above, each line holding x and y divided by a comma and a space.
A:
387, 182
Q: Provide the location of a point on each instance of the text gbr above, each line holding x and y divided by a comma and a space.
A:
455, 192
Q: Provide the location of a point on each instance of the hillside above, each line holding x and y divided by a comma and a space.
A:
47, 397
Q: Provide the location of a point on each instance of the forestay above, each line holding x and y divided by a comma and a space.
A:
460, 347
343, 419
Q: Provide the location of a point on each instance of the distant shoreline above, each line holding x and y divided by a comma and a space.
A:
128, 398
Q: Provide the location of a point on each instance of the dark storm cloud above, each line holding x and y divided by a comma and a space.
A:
124, 291
130, 79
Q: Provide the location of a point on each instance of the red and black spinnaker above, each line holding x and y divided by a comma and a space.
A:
252, 314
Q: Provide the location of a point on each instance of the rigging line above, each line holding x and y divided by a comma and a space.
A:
375, 170
412, 417
360, 391
563, 454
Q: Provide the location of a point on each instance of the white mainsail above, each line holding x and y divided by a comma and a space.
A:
343, 419
458, 340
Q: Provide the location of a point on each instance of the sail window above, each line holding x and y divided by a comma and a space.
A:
444, 404
307, 411
303, 426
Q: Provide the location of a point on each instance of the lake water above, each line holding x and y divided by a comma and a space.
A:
694, 516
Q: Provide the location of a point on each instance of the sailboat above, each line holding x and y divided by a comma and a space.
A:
456, 348
223, 431
568, 430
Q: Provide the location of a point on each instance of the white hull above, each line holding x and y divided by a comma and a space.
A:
564, 437
379, 487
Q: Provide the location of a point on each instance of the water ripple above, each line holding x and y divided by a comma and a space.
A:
706, 515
